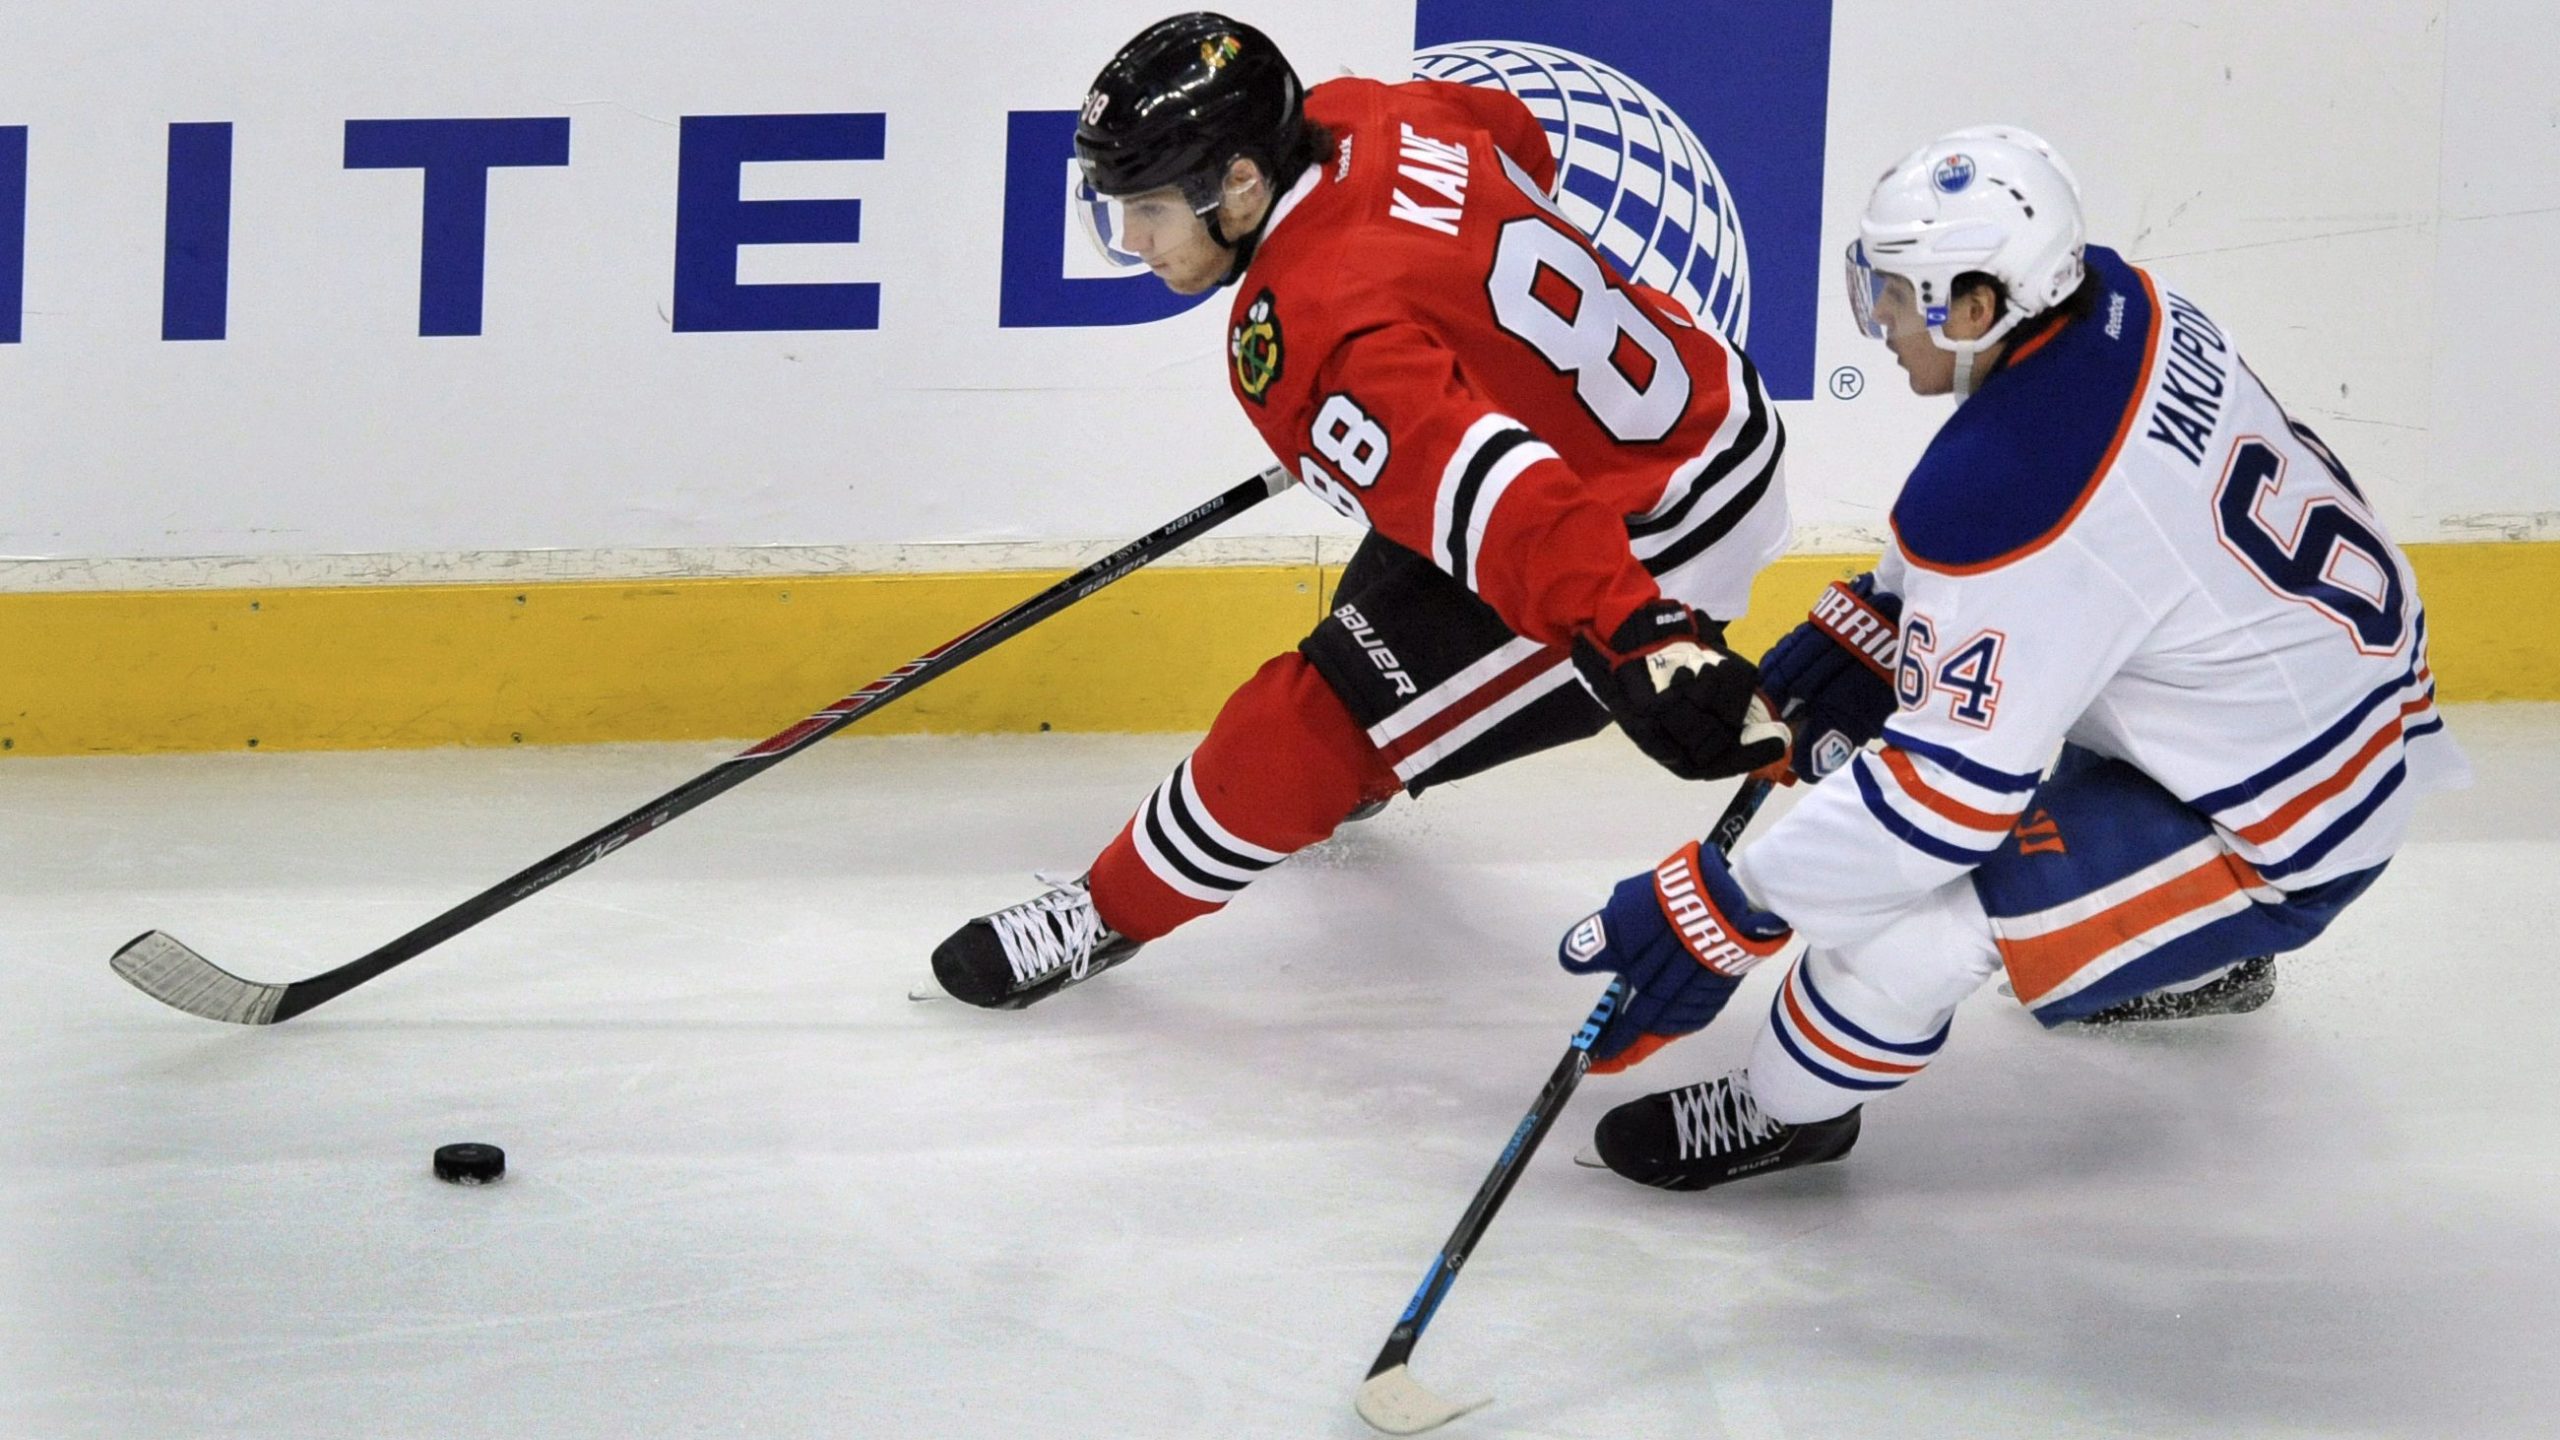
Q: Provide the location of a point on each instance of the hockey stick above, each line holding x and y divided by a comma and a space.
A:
169, 972
1391, 1399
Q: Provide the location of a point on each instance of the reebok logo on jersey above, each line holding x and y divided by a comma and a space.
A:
1683, 897
1254, 345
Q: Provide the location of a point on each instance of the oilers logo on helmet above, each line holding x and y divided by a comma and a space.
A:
1954, 173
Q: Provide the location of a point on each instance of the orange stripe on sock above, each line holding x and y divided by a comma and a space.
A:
2040, 965
1806, 1028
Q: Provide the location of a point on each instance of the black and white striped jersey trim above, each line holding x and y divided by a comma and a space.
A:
1711, 494
1492, 454
1704, 500
1186, 847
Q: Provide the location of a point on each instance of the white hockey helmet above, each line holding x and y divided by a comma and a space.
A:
1992, 199
2019, 135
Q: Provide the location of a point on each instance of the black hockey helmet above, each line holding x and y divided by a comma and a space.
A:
1178, 104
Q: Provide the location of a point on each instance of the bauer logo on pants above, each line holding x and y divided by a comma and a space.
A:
1703, 180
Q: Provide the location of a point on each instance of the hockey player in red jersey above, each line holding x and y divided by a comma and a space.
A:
1568, 481
2157, 703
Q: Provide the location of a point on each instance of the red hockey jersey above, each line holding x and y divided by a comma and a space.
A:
1428, 342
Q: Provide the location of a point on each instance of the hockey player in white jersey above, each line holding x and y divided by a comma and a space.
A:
2150, 684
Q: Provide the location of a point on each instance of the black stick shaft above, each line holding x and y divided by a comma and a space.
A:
1533, 1128
301, 995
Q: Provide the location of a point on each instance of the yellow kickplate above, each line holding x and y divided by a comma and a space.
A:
128, 672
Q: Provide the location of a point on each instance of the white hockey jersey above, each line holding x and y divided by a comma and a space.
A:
2122, 541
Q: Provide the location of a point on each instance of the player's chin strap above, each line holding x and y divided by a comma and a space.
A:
1969, 351
1243, 245
2013, 328
1966, 353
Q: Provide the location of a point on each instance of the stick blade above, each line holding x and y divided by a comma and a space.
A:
156, 964
1396, 1403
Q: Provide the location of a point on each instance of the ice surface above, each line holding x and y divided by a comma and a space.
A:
754, 1190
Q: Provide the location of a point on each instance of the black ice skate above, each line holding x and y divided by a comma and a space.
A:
2236, 991
1708, 1134
1029, 951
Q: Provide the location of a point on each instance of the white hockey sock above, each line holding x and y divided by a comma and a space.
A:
1855, 1021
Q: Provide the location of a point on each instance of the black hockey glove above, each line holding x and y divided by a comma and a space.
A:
1685, 700
1831, 678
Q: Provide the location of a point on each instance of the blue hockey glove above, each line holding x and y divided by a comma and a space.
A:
1666, 677
1682, 935
1831, 678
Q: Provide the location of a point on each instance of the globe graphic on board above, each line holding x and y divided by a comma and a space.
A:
1635, 177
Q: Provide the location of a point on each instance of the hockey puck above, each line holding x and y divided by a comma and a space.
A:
470, 1164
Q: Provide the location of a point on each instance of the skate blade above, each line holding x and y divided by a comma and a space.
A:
1588, 1157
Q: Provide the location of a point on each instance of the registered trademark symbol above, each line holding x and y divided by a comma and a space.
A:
1848, 382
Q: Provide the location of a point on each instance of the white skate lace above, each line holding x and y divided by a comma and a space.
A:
1039, 935
1717, 1117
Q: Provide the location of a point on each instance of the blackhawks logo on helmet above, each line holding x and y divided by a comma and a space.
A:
1255, 344
1219, 51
